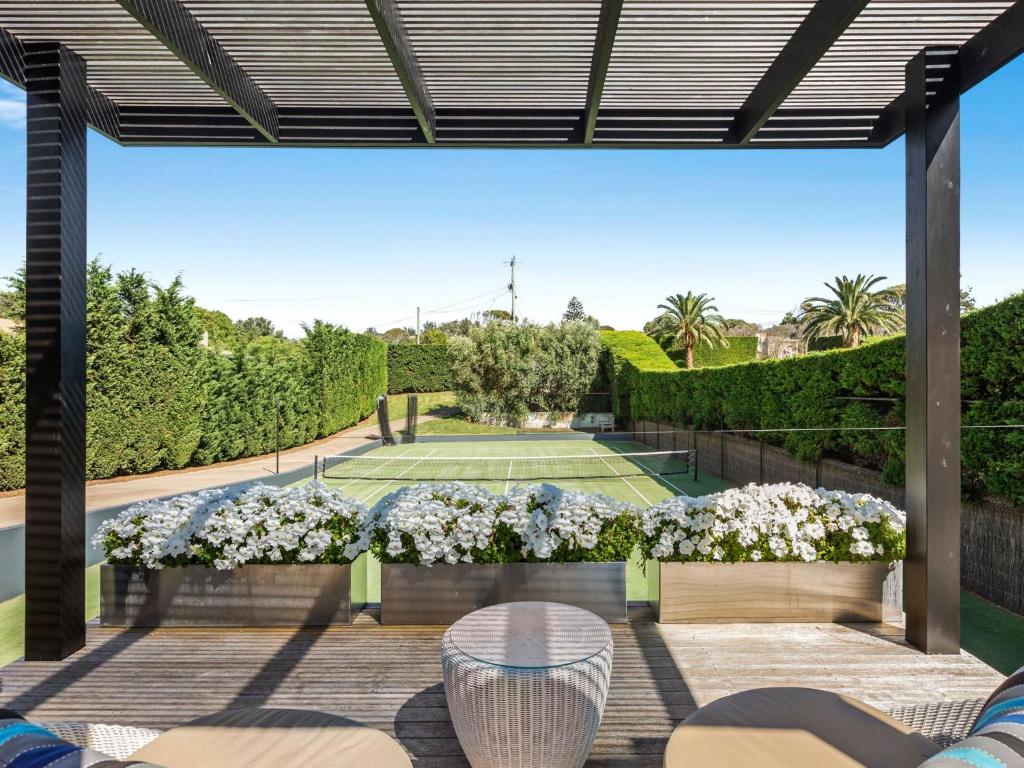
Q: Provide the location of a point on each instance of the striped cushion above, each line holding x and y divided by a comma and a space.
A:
25, 745
996, 739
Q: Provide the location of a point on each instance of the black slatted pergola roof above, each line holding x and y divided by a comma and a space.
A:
619, 73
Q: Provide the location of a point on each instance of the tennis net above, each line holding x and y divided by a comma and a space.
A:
592, 466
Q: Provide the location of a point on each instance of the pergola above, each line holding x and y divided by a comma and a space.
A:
722, 74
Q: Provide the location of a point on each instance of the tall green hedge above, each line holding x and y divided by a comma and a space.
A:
822, 389
157, 399
741, 349
419, 368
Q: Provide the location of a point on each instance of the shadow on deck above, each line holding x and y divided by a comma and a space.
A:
390, 677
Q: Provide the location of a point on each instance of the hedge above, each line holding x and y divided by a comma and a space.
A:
814, 390
418, 368
157, 399
741, 349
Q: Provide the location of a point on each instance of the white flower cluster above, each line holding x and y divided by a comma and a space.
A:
782, 522
227, 528
449, 522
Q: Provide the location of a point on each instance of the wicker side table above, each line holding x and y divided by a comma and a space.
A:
526, 684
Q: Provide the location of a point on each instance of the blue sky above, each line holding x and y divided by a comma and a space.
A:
361, 237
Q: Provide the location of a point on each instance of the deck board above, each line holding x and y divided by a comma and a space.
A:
390, 677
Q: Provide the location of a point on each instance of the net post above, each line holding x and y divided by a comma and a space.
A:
316, 466
696, 462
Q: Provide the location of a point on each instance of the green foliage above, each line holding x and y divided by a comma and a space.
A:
157, 399
418, 368
815, 390
501, 372
254, 327
852, 311
219, 327
688, 322
12, 411
741, 349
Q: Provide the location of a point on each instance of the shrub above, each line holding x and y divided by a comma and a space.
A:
501, 371
156, 398
418, 368
741, 349
224, 529
774, 522
819, 390
458, 523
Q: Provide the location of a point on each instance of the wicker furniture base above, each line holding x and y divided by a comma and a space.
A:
526, 684
118, 741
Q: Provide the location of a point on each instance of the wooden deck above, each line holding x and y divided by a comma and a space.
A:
390, 677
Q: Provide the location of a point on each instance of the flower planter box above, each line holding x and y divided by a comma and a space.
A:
443, 594
250, 596
693, 593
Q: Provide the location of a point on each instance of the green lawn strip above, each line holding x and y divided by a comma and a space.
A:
425, 403
993, 634
458, 425
12, 617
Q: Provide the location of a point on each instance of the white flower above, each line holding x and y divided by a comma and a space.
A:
233, 526
789, 521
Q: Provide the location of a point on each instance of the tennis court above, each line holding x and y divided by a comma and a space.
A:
623, 470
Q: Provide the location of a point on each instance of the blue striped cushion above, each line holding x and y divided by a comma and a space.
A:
996, 739
24, 745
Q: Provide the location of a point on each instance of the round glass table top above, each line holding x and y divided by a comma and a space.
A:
530, 634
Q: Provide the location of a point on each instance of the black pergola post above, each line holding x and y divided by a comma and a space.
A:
933, 351
55, 352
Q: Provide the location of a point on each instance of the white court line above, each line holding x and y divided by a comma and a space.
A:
613, 469
508, 478
660, 477
382, 464
389, 482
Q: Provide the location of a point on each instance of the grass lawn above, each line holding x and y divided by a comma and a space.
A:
425, 403
460, 425
12, 617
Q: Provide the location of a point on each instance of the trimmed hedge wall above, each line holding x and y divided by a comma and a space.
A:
813, 391
157, 399
741, 349
419, 368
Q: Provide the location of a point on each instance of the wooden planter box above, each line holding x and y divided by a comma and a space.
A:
695, 593
250, 596
443, 594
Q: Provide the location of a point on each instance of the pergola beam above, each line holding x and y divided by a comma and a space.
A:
182, 34
607, 26
822, 26
995, 46
391, 30
103, 114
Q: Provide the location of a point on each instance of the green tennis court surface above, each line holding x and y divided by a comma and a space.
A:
623, 470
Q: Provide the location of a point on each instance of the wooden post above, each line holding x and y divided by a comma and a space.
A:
55, 352
933, 351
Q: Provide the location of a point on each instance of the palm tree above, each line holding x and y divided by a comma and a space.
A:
688, 321
853, 311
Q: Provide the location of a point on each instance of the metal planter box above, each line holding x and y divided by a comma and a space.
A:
443, 594
250, 596
696, 593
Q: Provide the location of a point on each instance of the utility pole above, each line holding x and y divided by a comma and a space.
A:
417, 325
512, 284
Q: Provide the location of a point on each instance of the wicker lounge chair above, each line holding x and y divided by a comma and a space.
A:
775, 727
246, 738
